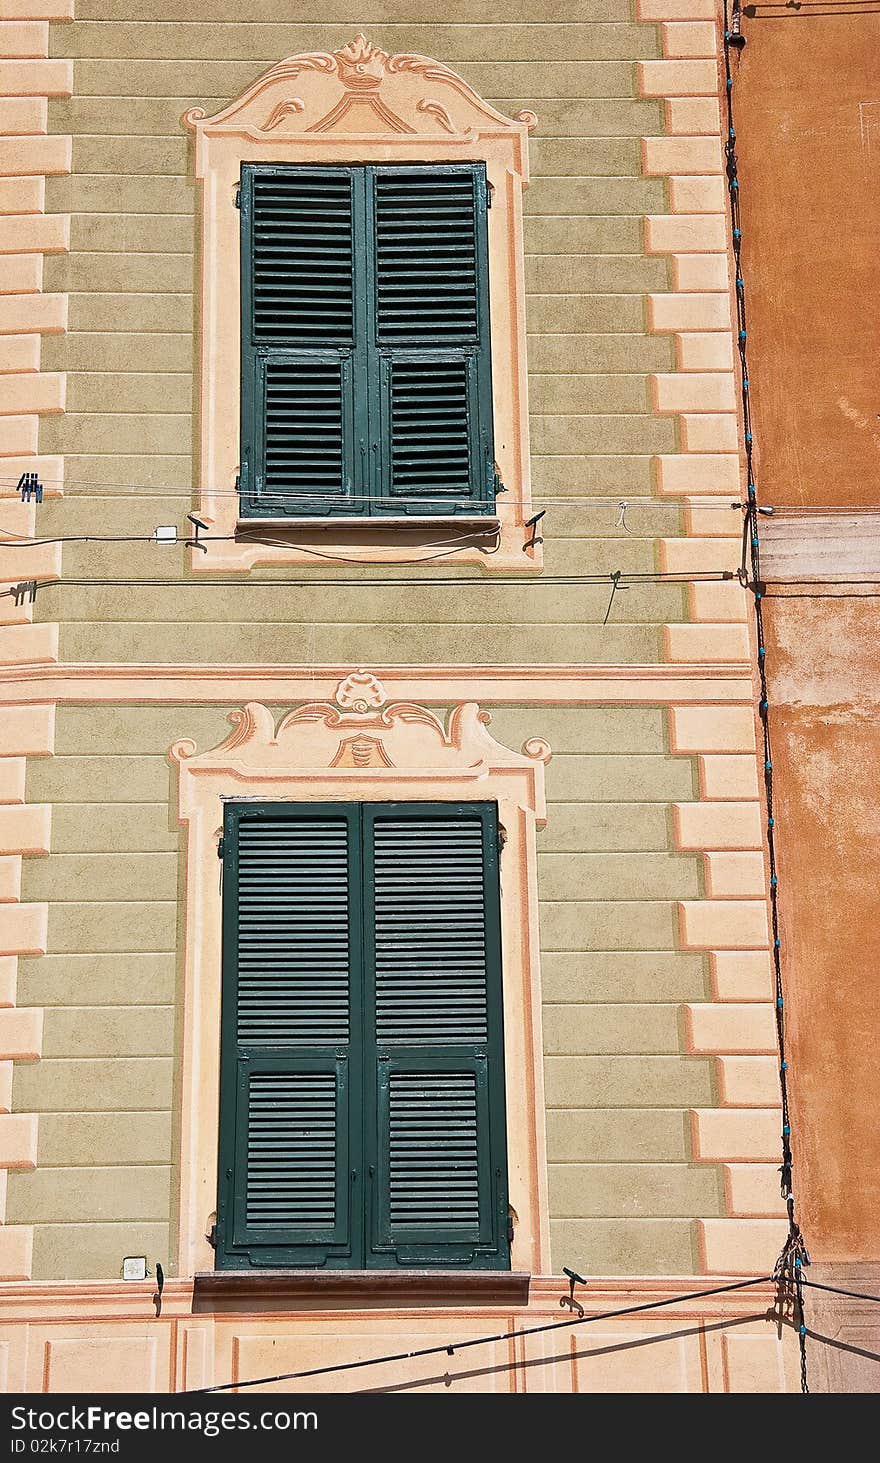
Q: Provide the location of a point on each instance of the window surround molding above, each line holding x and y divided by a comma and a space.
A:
359, 105
361, 748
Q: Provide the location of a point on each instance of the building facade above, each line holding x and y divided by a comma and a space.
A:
453, 672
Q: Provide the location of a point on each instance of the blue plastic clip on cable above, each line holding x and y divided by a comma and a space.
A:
30, 487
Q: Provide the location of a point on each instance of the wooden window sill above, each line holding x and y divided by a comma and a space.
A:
312, 1290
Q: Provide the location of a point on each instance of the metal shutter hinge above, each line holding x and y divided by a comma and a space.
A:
211, 1236
219, 847
238, 198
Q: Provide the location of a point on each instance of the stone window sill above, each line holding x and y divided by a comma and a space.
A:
304, 1290
344, 524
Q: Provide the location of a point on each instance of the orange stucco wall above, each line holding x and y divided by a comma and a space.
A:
826, 724
808, 119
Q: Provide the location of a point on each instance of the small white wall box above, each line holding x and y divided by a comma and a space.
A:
166, 533
134, 1267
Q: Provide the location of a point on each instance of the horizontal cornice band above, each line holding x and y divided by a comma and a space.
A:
532, 684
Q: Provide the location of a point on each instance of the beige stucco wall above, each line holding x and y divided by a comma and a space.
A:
132, 274
630, 1031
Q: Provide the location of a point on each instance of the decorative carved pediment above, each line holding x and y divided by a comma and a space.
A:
361, 91
361, 734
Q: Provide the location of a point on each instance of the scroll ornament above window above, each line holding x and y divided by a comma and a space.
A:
361, 91
364, 740
354, 438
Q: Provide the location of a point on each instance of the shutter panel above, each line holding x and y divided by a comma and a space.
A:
302, 256
292, 1121
304, 435
432, 333
298, 340
427, 254
432, 944
290, 1201
290, 941
433, 1120
430, 413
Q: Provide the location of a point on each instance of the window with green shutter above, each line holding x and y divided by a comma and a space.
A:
362, 1118
366, 372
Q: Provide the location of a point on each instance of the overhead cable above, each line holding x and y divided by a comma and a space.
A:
450, 1348
789, 1266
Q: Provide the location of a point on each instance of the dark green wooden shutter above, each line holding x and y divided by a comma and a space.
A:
362, 1069
432, 333
432, 941
289, 1067
366, 369
299, 327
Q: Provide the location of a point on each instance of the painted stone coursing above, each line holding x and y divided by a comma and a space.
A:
624, 1187
133, 275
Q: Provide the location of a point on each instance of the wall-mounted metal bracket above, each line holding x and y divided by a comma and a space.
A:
532, 523
568, 1301
200, 527
615, 585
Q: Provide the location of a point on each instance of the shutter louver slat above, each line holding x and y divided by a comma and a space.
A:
432, 332
304, 431
404, 897
298, 300
366, 372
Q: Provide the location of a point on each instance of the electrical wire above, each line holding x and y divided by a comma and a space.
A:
789, 1266
868, 579
711, 502
608, 578
808, 9
245, 582
825, 594
794, 1254
455, 545
191, 490
451, 1347
447, 546
838, 1290
795, 1243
